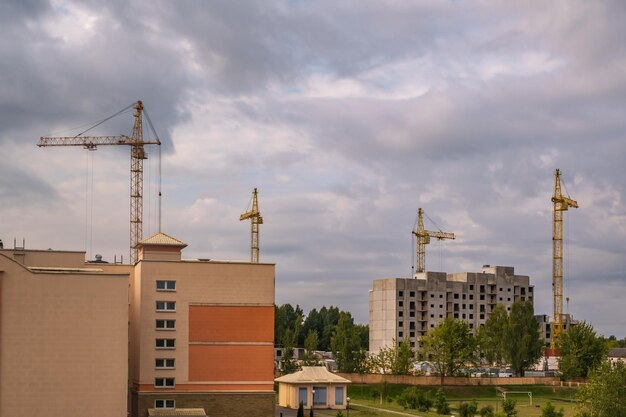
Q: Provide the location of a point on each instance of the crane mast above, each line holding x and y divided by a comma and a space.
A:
560, 204
423, 238
137, 155
255, 220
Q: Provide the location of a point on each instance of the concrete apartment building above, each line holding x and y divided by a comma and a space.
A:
401, 308
157, 337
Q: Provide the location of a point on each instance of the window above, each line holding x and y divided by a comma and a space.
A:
400, 293
164, 383
166, 285
166, 305
471, 296
412, 294
432, 316
456, 296
411, 313
400, 304
508, 289
463, 316
482, 297
471, 287
471, 306
440, 305
412, 305
400, 313
482, 316
508, 299
166, 324
400, 334
164, 363
440, 295
432, 296
456, 315
338, 395
164, 404
500, 288
411, 334
165, 343
432, 306
441, 316
400, 324
464, 296
471, 316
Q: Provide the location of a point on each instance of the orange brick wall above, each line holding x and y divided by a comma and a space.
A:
231, 363
231, 324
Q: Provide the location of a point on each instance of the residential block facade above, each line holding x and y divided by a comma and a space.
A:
160, 336
406, 308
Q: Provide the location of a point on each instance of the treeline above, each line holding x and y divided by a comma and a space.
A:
327, 329
292, 326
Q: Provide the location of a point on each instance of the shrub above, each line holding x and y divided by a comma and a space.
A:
414, 398
441, 403
339, 414
300, 410
486, 411
508, 406
548, 410
468, 409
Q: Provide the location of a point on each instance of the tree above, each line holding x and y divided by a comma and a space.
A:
288, 362
310, 346
449, 346
300, 410
468, 409
286, 317
441, 403
522, 340
486, 411
489, 338
345, 343
414, 398
603, 395
508, 405
397, 359
548, 410
581, 351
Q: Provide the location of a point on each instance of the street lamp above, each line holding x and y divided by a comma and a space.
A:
312, 402
348, 406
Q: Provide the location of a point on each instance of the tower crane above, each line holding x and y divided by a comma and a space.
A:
255, 220
423, 238
137, 155
560, 203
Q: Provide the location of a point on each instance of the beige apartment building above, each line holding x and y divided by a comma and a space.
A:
401, 308
159, 337
63, 336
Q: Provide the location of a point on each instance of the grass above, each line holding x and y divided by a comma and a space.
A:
484, 395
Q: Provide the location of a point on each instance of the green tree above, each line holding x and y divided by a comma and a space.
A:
468, 409
288, 363
441, 402
404, 358
605, 393
310, 346
300, 410
548, 410
522, 340
449, 346
345, 343
486, 411
490, 341
287, 318
581, 351
508, 406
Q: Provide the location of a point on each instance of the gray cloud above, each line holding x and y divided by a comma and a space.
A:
347, 117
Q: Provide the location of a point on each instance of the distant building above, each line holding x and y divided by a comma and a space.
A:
401, 308
545, 326
165, 335
617, 354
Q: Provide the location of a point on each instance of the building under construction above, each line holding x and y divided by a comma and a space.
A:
406, 308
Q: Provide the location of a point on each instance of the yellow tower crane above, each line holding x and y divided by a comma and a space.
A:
560, 204
423, 238
137, 155
255, 220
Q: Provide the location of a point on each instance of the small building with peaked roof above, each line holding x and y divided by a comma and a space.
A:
313, 386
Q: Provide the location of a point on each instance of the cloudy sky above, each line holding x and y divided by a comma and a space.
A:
348, 116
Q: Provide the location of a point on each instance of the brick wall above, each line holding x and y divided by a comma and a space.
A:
215, 404
435, 380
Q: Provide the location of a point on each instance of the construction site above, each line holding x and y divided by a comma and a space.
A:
161, 332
